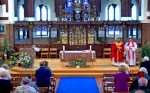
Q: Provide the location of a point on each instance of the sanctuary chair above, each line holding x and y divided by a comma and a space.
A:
106, 52
53, 52
44, 52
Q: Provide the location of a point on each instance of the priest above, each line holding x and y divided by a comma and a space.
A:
118, 52
130, 52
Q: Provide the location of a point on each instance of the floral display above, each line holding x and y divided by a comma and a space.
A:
22, 59
78, 63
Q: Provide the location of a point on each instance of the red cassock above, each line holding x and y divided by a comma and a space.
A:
118, 51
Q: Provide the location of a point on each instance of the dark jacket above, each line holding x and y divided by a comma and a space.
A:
5, 86
42, 76
146, 64
135, 85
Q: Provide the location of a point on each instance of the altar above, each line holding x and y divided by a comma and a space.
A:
87, 55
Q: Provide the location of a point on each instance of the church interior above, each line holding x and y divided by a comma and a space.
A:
78, 39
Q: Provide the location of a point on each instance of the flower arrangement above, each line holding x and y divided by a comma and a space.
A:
23, 59
78, 63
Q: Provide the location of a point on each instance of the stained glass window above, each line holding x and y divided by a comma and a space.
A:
21, 13
38, 13
22, 34
134, 13
77, 10
40, 32
112, 12
44, 13
41, 13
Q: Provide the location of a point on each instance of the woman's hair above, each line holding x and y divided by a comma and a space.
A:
5, 66
122, 68
3, 73
139, 91
26, 80
143, 69
146, 58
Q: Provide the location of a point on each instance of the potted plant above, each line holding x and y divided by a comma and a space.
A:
146, 50
22, 59
6, 48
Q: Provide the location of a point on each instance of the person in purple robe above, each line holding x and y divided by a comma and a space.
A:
121, 79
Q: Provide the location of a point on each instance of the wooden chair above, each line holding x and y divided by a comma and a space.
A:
107, 52
1, 55
53, 52
108, 83
138, 56
52, 85
51, 88
44, 52
43, 90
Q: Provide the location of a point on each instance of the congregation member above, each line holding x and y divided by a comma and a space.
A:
142, 85
5, 68
146, 64
121, 79
31, 83
5, 83
143, 73
130, 52
25, 87
138, 91
43, 75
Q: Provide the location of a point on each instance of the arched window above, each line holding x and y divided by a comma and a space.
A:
37, 13
134, 12
112, 12
117, 13
40, 32
22, 34
44, 13
77, 10
21, 13
41, 13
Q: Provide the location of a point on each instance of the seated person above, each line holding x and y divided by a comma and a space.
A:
5, 68
143, 73
25, 87
5, 83
146, 64
43, 75
142, 85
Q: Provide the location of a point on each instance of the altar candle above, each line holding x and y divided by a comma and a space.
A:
90, 47
63, 48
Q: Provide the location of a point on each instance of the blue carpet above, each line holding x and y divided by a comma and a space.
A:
77, 85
